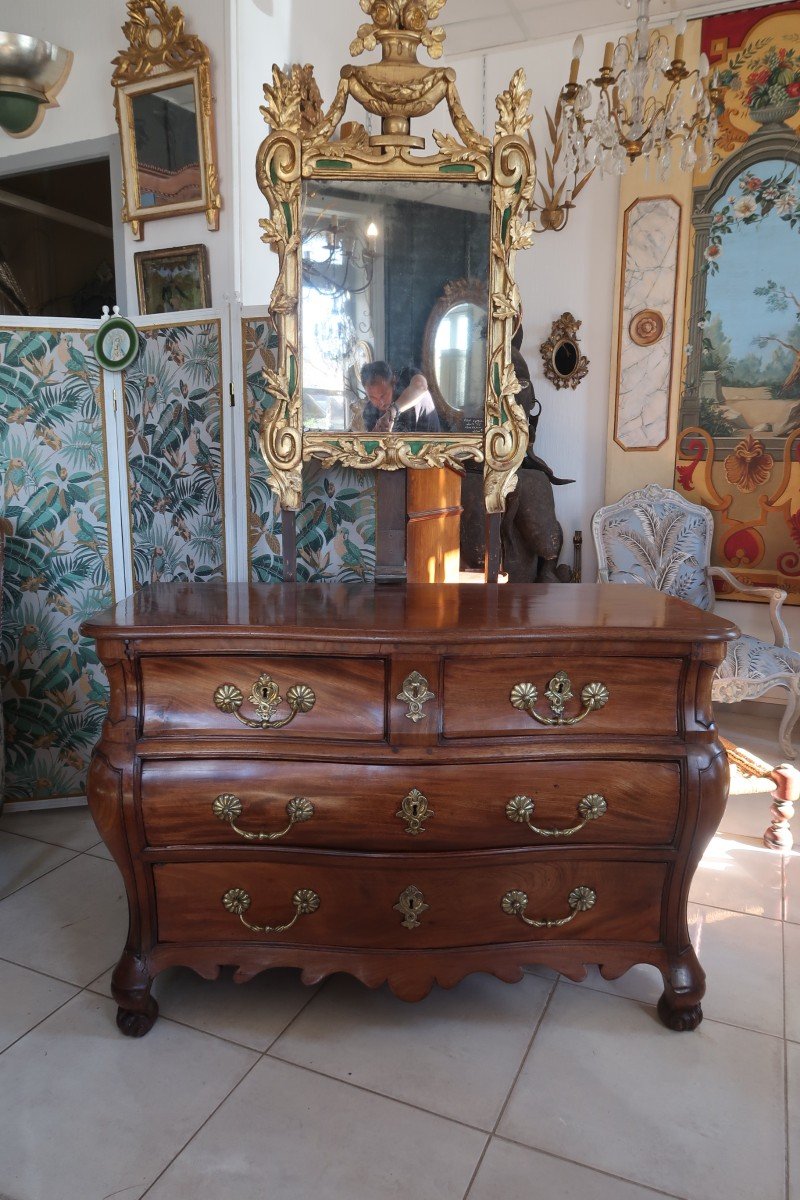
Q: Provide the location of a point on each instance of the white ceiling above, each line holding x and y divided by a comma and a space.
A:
476, 25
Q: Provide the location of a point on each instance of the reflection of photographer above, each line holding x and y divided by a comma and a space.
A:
400, 404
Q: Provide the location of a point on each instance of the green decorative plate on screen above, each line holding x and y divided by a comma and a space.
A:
116, 345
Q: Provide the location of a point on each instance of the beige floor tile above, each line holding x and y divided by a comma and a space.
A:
793, 1064
455, 1054
71, 827
642, 982
71, 923
88, 1113
253, 1013
700, 1115
510, 1172
791, 866
746, 816
22, 860
791, 949
740, 874
293, 1135
741, 956
26, 999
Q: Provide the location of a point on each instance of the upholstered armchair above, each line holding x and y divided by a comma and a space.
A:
658, 538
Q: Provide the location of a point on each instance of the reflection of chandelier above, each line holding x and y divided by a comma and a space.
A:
335, 336
335, 258
649, 104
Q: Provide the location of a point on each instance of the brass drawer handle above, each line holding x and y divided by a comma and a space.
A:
580, 899
559, 691
227, 807
590, 808
265, 697
237, 901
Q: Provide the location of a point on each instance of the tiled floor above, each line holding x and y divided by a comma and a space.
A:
546, 1090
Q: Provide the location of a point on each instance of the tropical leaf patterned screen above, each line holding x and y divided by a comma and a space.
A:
58, 560
336, 525
173, 429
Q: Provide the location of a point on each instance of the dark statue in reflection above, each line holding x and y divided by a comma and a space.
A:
532, 538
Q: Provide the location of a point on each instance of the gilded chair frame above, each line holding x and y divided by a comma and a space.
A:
302, 145
161, 54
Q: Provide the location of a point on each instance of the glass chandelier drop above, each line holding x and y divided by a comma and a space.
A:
650, 105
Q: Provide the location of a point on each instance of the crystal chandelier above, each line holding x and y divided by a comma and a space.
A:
650, 105
339, 261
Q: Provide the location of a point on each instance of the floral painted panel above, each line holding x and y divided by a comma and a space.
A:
173, 422
58, 561
335, 526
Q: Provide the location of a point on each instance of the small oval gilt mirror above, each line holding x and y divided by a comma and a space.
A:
454, 354
564, 364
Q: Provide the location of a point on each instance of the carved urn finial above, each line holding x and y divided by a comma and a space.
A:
399, 86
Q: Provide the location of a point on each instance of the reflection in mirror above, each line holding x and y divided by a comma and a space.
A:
376, 258
167, 146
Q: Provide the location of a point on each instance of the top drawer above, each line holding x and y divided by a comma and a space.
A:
265, 696
523, 697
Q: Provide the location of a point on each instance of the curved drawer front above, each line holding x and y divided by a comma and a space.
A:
411, 906
525, 697
264, 696
409, 808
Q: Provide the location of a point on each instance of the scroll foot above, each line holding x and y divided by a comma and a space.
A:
136, 1024
684, 987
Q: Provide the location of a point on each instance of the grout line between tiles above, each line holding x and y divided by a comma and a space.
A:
657, 1191
56, 978
202, 1126
75, 854
45, 841
504, 1105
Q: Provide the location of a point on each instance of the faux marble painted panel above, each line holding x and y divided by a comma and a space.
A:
57, 558
651, 237
173, 416
336, 524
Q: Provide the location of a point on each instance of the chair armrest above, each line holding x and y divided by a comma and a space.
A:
776, 595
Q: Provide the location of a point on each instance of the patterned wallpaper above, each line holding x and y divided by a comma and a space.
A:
57, 562
173, 415
335, 526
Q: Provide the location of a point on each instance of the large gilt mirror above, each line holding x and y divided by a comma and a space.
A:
165, 118
395, 301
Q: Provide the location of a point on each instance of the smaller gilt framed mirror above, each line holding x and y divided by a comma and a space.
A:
564, 363
165, 117
454, 354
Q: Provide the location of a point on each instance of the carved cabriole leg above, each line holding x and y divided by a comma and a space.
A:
131, 981
684, 978
684, 987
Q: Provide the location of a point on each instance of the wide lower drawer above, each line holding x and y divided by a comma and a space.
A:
409, 808
403, 905
529, 696
256, 696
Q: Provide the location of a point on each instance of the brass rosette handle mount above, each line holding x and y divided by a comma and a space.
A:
228, 807
590, 808
266, 698
237, 901
580, 900
558, 693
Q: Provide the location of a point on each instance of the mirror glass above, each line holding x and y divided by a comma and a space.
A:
565, 358
167, 141
377, 256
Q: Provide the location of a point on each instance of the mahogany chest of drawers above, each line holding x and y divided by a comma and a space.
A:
407, 783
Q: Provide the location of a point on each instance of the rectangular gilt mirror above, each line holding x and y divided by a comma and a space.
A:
165, 118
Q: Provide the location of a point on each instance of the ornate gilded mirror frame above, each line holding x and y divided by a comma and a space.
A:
160, 53
564, 363
303, 144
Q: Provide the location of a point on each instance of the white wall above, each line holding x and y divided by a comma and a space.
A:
92, 29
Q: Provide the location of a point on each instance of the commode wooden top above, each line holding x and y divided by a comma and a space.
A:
412, 613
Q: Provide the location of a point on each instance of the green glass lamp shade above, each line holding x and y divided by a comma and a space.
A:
17, 112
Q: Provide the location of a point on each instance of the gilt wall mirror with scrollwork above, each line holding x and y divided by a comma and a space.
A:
369, 229
165, 116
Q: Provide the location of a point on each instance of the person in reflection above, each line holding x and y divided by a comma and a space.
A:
397, 404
